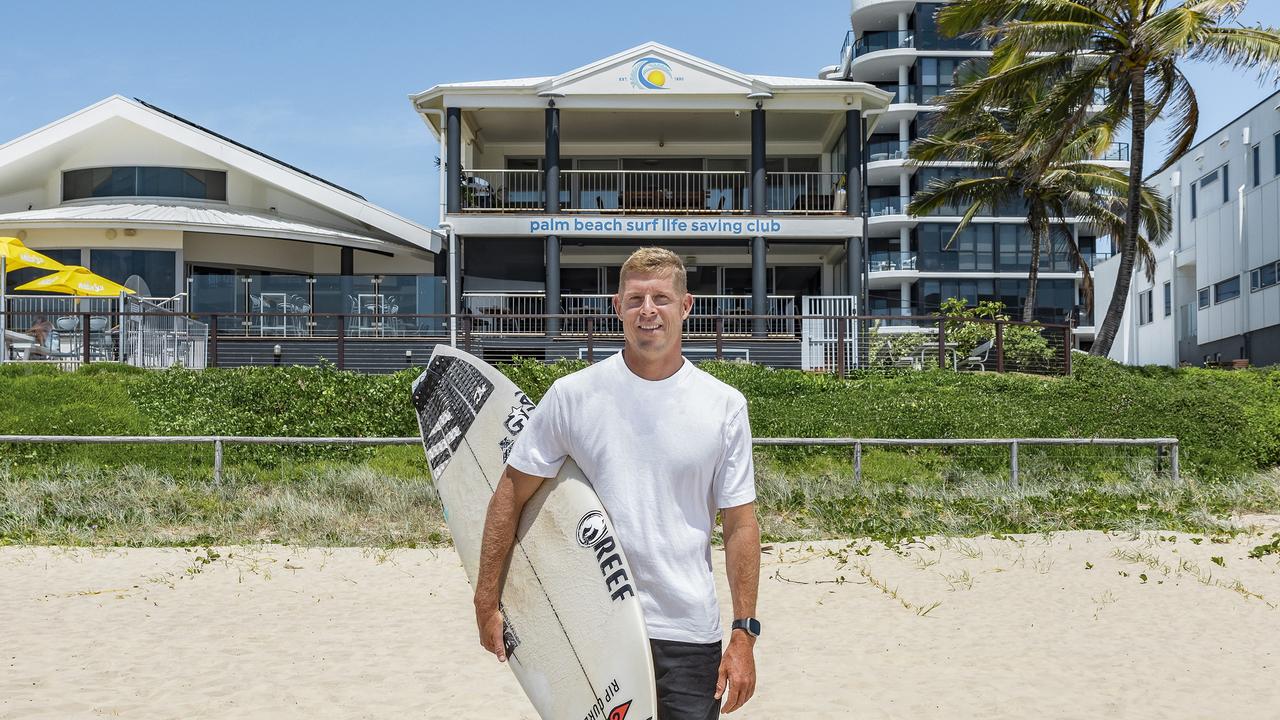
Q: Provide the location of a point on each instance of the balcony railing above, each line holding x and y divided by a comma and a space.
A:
1117, 152
888, 206
877, 40
507, 314
887, 150
891, 261
664, 191
689, 192
806, 193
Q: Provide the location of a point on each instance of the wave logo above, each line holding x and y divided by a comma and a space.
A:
650, 73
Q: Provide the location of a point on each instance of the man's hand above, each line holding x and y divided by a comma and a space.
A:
489, 623
737, 672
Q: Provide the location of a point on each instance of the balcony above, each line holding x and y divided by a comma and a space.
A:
877, 40
690, 192
890, 262
884, 206
887, 150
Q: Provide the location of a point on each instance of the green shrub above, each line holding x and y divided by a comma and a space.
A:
1228, 422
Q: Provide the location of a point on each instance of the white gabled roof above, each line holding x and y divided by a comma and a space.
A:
236, 155
207, 218
586, 80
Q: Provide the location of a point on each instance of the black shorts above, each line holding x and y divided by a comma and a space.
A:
686, 675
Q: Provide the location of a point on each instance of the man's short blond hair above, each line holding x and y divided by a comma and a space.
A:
655, 261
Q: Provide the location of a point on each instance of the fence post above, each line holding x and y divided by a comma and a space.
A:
719, 337
999, 346
942, 343
213, 341
1173, 461
840, 359
1013, 463
342, 341
217, 461
84, 339
857, 462
591, 347
1067, 341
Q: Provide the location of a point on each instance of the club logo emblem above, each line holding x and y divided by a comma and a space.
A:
650, 73
620, 712
591, 528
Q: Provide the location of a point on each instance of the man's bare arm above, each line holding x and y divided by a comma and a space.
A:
500, 522
742, 565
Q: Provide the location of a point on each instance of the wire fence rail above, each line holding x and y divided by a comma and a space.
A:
1165, 447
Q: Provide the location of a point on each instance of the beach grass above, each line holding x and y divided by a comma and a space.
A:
387, 501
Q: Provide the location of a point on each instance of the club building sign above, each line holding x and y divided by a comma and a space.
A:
659, 226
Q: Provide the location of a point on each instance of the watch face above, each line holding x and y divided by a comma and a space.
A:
753, 626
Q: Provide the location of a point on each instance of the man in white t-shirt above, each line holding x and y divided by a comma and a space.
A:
665, 445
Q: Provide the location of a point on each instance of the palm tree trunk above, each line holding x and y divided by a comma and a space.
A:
1033, 273
1129, 248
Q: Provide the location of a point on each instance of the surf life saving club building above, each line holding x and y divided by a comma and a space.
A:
549, 183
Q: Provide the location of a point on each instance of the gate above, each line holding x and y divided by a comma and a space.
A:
820, 332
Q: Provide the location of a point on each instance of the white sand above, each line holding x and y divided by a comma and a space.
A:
1022, 629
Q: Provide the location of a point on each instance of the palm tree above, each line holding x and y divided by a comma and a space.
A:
1052, 183
1129, 51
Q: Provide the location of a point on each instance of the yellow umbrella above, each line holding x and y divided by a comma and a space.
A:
17, 256
76, 280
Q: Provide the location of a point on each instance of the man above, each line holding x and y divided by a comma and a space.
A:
665, 445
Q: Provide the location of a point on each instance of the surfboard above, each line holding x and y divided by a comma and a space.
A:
572, 625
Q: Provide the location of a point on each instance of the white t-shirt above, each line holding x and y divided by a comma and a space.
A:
663, 456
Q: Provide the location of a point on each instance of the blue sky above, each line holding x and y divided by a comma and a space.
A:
324, 85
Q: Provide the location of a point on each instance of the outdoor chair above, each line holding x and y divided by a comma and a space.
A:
978, 358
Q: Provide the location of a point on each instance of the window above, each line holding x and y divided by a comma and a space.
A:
1168, 299
1203, 298
1192, 189
937, 76
1226, 290
157, 268
1144, 307
1255, 156
144, 182
1226, 184
1275, 141
1264, 277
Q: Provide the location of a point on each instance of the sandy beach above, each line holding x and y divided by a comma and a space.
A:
1069, 625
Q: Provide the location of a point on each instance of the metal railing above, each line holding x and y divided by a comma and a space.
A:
1165, 447
151, 340
821, 341
806, 193
1117, 152
656, 191
503, 191
689, 192
509, 314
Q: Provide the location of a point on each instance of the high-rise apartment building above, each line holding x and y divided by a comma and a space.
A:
895, 45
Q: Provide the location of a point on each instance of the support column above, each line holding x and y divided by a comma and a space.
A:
904, 84
854, 205
904, 302
553, 284
759, 206
759, 285
453, 159
759, 181
551, 187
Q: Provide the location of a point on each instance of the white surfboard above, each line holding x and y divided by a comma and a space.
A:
573, 627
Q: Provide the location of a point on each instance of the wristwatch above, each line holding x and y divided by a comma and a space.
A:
750, 625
